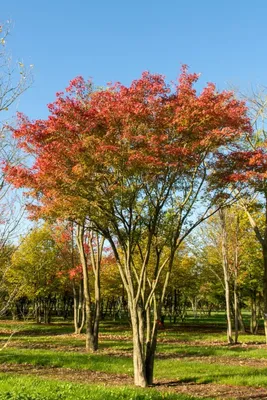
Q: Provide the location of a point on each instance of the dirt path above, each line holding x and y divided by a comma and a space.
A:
216, 391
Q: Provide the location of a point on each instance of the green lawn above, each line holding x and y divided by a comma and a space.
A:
192, 352
30, 388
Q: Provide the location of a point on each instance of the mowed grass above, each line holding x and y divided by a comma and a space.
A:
13, 387
184, 356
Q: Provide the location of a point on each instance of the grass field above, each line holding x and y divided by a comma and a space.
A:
43, 362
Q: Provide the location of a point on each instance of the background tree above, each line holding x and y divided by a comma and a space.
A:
225, 246
35, 264
245, 170
15, 78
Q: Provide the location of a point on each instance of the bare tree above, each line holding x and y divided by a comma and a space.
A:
15, 78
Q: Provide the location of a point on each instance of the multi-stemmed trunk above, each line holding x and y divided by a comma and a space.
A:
145, 316
137, 321
91, 343
92, 318
96, 244
144, 345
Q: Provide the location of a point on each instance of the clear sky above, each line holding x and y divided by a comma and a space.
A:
115, 40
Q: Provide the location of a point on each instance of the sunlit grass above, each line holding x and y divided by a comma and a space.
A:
28, 388
201, 372
74, 360
193, 351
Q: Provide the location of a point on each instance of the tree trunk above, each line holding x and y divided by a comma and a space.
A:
150, 354
45, 305
78, 308
253, 316
241, 324
264, 248
236, 311
75, 308
263, 241
226, 277
90, 342
96, 244
97, 306
37, 311
138, 350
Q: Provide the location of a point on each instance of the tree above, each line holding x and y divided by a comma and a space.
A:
134, 162
35, 265
11, 85
245, 170
15, 78
95, 243
70, 268
225, 247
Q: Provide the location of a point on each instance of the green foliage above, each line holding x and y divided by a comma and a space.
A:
246, 269
36, 264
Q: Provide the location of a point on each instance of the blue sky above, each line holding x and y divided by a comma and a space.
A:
116, 40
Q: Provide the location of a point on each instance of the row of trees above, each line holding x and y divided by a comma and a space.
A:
46, 268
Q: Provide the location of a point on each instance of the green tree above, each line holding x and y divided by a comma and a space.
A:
35, 265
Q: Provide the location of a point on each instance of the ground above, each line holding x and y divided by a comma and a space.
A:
193, 359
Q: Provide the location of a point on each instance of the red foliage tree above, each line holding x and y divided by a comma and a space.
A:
135, 160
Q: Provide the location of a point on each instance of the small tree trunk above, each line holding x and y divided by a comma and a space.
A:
194, 304
253, 316
90, 342
75, 308
96, 257
228, 313
78, 308
37, 312
241, 324
226, 277
263, 241
97, 306
238, 317
150, 354
236, 312
264, 248
45, 312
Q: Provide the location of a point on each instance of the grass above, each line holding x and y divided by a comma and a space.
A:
194, 351
185, 371
48, 358
172, 369
28, 388
213, 351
